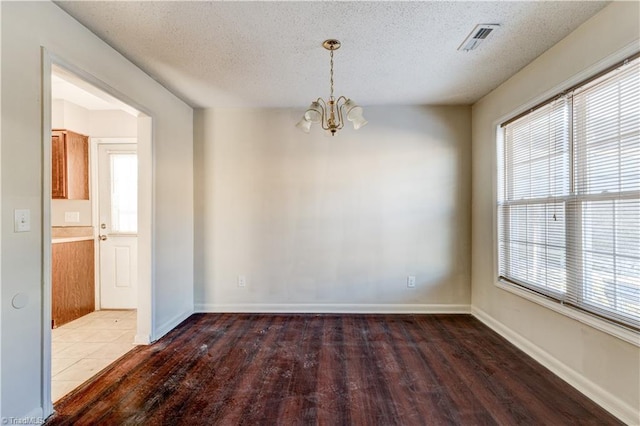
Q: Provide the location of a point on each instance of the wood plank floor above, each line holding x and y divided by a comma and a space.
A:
228, 369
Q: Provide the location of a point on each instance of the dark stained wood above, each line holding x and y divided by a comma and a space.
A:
58, 165
77, 166
72, 281
69, 165
230, 369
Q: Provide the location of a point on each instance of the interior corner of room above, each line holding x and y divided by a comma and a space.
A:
242, 219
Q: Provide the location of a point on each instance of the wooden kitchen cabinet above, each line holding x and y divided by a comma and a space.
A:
69, 165
72, 281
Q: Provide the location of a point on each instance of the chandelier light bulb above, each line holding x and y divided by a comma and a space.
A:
304, 125
314, 113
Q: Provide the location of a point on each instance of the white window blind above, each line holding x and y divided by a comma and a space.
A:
569, 197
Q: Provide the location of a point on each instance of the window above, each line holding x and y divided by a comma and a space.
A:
569, 196
124, 192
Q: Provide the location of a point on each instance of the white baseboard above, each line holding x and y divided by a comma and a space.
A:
170, 325
318, 308
141, 339
600, 396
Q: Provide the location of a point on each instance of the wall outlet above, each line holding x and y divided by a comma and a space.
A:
22, 220
72, 217
242, 281
411, 281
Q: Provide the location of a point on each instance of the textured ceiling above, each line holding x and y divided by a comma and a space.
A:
269, 54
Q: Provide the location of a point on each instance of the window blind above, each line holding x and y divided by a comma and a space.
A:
569, 197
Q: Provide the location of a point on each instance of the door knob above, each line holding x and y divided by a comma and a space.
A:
102, 237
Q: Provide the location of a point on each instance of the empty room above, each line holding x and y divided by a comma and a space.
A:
322, 212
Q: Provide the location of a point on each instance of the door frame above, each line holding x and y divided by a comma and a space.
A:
95, 205
146, 183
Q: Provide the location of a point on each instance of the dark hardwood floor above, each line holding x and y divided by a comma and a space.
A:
228, 369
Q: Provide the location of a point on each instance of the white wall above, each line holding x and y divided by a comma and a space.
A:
604, 367
317, 223
112, 124
25, 27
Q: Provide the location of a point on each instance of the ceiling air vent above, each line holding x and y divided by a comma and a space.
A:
479, 34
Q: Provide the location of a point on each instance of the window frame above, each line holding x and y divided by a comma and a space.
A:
566, 308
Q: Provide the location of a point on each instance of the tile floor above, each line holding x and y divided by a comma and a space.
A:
85, 346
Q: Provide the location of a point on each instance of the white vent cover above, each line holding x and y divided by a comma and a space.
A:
479, 34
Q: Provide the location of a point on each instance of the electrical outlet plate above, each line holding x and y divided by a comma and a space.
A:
411, 281
242, 281
72, 217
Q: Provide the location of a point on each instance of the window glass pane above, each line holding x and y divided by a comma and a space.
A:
630, 165
124, 192
598, 272
569, 202
611, 248
536, 149
536, 245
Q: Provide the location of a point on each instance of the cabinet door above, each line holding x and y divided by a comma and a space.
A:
72, 281
58, 165
69, 165
77, 166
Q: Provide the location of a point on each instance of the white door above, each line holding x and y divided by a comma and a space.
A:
118, 223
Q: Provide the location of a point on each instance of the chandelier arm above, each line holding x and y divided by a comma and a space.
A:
339, 108
323, 118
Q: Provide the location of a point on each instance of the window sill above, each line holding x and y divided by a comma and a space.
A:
621, 332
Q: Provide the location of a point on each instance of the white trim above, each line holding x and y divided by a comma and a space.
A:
600, 396
333, 308
599, 66
100, 140
45, 143
142, 339
170, 325
616, 330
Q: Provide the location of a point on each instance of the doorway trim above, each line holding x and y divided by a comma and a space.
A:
146, 178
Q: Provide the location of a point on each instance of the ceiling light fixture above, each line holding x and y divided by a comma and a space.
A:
330, 115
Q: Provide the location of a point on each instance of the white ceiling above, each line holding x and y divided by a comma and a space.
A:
65, 90
269, 54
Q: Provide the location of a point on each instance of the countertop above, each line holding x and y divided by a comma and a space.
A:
70, 234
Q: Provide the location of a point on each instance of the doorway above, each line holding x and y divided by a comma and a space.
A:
89, 343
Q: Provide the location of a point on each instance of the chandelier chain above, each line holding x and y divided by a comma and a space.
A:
331, 74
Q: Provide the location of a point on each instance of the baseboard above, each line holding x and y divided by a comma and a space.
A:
319, 308
600, 396
141, 339
170, 325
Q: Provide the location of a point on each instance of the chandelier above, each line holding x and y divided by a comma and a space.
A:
330, 114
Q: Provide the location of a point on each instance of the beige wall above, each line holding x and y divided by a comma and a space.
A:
333, 223
603, 366
25, 28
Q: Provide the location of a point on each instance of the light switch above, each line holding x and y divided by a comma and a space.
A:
22, 220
